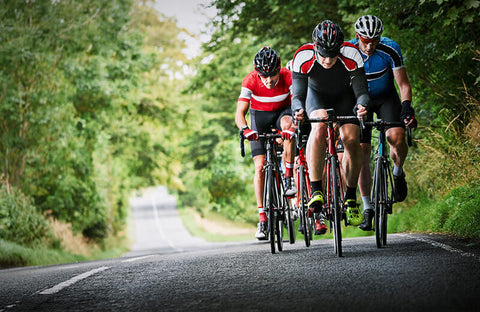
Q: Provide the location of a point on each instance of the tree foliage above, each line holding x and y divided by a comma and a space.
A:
86, 95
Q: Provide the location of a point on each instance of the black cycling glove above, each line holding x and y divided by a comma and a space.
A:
407, 110
408, 113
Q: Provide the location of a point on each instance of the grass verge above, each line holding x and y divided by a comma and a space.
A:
215, 228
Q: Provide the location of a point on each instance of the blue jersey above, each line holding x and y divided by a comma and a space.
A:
380, 65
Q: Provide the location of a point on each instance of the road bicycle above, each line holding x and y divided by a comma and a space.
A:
303, 190
382, 188
278, 207
334, 189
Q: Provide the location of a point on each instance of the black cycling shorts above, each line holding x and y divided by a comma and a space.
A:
343, 104
387, 108
263, 122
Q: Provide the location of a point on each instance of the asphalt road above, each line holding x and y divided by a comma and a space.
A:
176, 272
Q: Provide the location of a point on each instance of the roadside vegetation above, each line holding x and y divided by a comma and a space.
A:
97, 100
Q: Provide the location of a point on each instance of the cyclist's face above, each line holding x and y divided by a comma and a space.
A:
271, 81
367, 46
327, 62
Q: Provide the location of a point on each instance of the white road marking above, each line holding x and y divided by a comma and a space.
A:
159, 227
445, 247
138, 258
71, 281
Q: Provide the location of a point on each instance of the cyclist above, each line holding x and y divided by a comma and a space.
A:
266, 91
328, 73
383, 64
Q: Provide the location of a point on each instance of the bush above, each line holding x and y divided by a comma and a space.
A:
458, 213
464, 207
20, 222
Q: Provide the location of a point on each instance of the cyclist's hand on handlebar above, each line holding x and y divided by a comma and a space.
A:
407, 114
299, 115
361, 111
288, 134
411, 122
250, 135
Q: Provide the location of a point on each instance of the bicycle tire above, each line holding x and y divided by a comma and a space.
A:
337, 207
303, 205
279, 232
384, 215
269, 206
279, 213
289, 223
379, 196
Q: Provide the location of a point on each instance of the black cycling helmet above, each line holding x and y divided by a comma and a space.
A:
267, 62
369, 26
327, 39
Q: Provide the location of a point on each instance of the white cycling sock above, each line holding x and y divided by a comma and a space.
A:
397, 171
366, 202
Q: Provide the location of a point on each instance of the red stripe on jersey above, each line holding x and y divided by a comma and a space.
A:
264, 99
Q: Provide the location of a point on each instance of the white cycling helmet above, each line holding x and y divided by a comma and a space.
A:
369, 26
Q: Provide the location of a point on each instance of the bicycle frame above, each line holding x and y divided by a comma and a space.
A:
382, 197
334, 188
271, 198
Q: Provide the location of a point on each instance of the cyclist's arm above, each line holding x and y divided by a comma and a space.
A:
403, 84
360, 87
242, 109
299, 91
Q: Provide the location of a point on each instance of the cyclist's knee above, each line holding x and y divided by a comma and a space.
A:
396, 136
286, 122
259, 162
351, 142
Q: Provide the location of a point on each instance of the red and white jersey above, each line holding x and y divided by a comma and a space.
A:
304, 58
263, 99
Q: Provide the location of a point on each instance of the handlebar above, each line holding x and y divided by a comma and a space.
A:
270, 135
273, 136
333, 119
409, 136
381, 125
242, 144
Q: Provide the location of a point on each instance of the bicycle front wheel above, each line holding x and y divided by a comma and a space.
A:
279, 213
289, 223
337, 206
268, 205
380, 202
303, 206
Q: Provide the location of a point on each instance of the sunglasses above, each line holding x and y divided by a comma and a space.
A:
274, 73
366, 41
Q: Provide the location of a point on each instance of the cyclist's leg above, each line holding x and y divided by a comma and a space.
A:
352, 163
285, 122
316, 146
398, 146
365, 178
260, 121
259, 181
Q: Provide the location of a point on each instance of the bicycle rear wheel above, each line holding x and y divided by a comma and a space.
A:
337, 206
304, 219
380, 202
